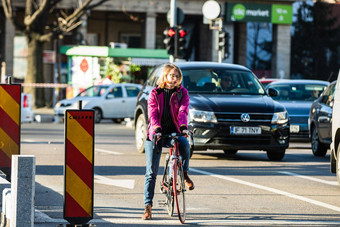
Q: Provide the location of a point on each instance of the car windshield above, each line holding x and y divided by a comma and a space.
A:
221, 81
298, 92
94, 91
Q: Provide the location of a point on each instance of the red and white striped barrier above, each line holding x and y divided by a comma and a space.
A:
45, 85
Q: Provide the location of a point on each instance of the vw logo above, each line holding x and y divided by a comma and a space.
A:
245, 117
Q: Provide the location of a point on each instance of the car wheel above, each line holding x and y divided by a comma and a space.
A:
98, 115
338, 165
140, 133
318, 148
276, 155
229, 152
333, 162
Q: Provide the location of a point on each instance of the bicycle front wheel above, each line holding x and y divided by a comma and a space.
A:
167, 188
179, 191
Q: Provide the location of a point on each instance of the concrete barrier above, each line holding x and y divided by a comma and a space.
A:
18, 202
3, 185
6, 208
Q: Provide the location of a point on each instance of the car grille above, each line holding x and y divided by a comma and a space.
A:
248, 140
236, 117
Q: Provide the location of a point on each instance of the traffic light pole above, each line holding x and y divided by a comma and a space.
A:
220, 52
173, 23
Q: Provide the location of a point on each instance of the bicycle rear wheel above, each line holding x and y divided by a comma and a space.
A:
166, 187
178, 184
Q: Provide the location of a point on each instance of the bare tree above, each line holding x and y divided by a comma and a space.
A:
42, 23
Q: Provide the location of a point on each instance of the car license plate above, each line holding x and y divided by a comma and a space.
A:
245, 130
294, 128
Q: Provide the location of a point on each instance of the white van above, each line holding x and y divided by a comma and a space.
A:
335, 145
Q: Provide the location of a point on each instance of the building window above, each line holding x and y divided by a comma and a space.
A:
132, 40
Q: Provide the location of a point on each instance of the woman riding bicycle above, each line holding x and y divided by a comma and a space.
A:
168, 107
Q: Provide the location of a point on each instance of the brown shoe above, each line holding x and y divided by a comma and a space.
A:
188, 182
147, 213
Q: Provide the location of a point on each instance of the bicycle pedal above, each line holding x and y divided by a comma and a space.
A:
162, 190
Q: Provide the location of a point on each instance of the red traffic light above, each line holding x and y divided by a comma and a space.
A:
182, 33
171, 32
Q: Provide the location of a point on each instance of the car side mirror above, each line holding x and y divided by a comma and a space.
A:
324, 99
110, 96
272, 92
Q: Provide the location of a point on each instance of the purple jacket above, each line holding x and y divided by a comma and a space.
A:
179, 111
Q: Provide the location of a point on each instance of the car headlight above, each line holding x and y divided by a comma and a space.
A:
57, 105
280, 118
202, 116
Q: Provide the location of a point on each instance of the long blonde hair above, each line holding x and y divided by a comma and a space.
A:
166, 69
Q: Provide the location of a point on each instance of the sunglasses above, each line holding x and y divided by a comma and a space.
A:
173, 76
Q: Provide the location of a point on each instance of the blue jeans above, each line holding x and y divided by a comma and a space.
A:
152, 165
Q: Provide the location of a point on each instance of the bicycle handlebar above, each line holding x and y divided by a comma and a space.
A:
172, 135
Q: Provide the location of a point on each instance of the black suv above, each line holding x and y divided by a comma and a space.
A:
244, 117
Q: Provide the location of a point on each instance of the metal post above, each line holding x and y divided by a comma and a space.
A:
220, 52
173, 23
80, 104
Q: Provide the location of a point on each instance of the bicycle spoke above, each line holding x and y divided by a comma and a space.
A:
166, 187
179, 192
170, 201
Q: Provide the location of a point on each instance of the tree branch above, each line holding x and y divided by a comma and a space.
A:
96, 4
70, 22
46, 37
8, 9
29, 18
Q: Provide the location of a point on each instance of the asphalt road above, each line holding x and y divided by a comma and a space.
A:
245, 189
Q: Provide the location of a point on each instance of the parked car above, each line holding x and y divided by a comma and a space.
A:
112, 101
320, 121
297, 96
266, 81
335, 144
243, 118
27, 114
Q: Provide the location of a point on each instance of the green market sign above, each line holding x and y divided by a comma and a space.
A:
276, 14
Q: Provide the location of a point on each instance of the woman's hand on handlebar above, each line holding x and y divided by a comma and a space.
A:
158, 135
185, 131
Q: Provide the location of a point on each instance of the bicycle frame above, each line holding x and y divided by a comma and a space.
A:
172, 183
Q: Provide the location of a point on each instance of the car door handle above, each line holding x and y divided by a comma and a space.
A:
123, 101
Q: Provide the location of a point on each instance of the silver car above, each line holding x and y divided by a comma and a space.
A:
109, 101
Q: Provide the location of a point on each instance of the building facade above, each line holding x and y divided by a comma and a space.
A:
140, 24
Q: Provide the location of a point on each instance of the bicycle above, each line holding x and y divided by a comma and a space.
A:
172, 184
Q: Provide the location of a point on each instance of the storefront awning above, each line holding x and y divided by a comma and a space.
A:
148, 61
102, 51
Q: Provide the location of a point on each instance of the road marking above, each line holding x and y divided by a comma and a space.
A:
129, 184
309, 178
273, 190
41, 142
174, 221
107, 151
